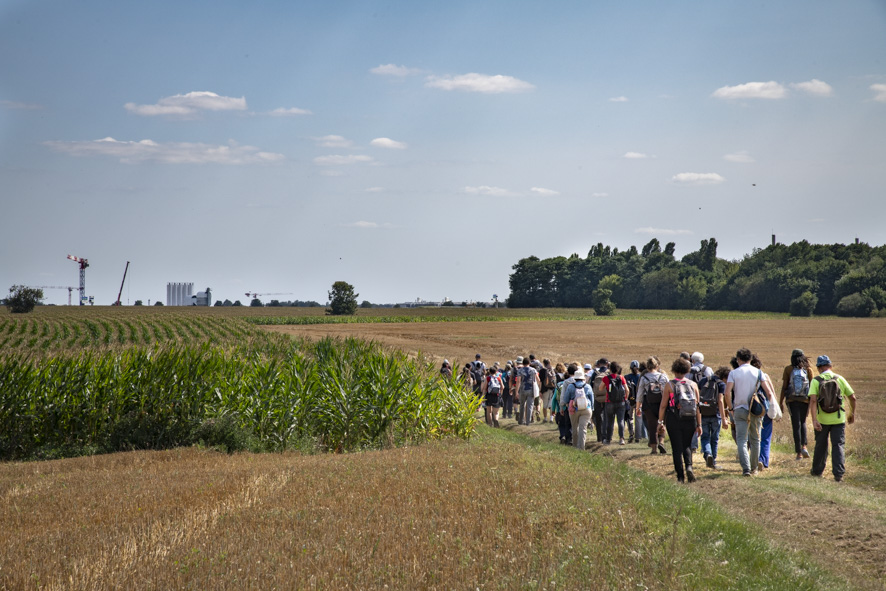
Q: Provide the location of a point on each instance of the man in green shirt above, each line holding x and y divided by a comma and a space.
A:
830, 424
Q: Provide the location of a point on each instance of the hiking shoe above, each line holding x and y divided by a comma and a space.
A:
745, 473
495, 423
661, 449
621, 442
838, 479
805, 453
653, 452
799, 457
709, 460
760, 466
690, 475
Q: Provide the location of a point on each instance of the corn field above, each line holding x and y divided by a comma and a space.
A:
102, 382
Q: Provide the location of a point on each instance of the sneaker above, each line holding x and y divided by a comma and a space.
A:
495, 423
760, 466
709, 460
621, 442
653, 452
661, 449
690, 475
745, 473
799, 457
838, 479
606, 442
805, 453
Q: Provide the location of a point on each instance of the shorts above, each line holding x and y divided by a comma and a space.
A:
493, 400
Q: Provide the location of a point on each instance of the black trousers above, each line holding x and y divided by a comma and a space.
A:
799, 412
837, 436
680, 431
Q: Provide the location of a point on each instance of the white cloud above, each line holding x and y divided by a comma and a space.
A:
698, 178
619, 99
661, 231
189, 104
337, 160
814, 86
545, 192
880, 89
291, 111
368, 225
489, 191
635, 155
741, 157
169, 153
752, 90
20, 106
333, 141
474, 82
599, 195
394, 70
384, 142
375, 189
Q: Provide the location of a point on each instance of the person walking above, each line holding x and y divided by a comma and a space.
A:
492, 389
766, 429
518, 365
679, 413
712, 408
795, 381
595, 381
616, 398
559, 407
527, 386
507, 399
741, 385
827, 405
579, 400
649, 395
548, 381
633, 380
446, 370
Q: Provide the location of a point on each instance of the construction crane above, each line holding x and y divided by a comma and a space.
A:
70, 289
83, 264
119, 293
251, 294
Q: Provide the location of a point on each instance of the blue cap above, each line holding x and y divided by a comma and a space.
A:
823, 360
635, 363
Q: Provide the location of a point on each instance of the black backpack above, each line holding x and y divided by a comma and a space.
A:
632, 392
546, 377
696, 373
708, 393
478, 374
616, 392
830, 397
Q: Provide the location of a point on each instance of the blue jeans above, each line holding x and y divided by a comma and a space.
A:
747, 432
710, 435
765, 440
640, 429
613, 412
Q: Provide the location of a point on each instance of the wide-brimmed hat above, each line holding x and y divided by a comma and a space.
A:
578, 375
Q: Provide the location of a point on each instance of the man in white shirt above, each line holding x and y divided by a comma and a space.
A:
741, 385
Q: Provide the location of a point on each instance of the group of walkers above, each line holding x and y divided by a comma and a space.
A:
688, 409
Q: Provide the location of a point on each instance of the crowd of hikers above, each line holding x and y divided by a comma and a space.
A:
687, 410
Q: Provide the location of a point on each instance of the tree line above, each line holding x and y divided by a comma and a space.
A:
800, 278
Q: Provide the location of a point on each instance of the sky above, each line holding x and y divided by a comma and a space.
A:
419, 150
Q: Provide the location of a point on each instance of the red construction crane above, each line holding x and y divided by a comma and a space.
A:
70, 289
83, 264
119, 293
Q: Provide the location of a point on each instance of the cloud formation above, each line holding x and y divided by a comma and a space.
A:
368, 225
619, 99
338, 160
880, 90
189, 104
599, 195
385, 142
291, 111
752, 90
815, 87
483, 83
635, 155
741, 157
167, 153
375, 189
333, 141
394, 70
698, 178
19, 106
489, 191
661, 231
544, 192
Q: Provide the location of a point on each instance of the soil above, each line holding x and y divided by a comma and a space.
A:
848, 518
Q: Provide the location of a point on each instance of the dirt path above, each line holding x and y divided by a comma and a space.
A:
785, 502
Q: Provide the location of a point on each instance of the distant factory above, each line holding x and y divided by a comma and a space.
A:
182, 294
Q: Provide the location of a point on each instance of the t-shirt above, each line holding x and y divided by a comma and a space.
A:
744, 384
527, 376
831, 418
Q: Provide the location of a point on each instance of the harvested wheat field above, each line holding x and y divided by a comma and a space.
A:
785, 501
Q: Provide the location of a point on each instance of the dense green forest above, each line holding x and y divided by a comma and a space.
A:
800, 278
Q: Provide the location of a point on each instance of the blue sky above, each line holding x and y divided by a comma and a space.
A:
419, 150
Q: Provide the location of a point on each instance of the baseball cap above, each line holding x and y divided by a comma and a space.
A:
477, 356
635, 363
588, 367
823, 360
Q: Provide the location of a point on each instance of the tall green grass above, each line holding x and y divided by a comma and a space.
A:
274, 394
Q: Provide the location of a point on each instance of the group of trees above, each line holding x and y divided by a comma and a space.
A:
800, 278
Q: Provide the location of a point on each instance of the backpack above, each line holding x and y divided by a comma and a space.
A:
599, 388
798, 387
617, 391
477, 374
654, 390
830, 397
708, 394
632, 391
493, 385
546, 376
696, 373
581, 397
683, 399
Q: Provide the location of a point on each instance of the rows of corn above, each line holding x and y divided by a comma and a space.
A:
105, 383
